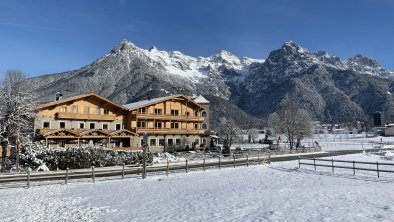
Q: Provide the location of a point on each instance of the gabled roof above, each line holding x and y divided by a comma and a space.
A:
122, 132
201, 99
93, 132
61, 101
139, 104
61, 132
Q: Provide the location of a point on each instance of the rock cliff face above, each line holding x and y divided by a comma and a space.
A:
329, 88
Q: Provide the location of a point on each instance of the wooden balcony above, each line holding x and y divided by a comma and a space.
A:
170, 117
61, 115
169, 131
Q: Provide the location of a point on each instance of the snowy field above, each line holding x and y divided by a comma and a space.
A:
277, 192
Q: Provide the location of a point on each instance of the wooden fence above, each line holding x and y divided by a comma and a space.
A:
121, 171
319, 162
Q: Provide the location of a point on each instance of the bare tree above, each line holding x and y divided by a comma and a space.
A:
294, 122
16, 112
273, 122
228, 132
252, 135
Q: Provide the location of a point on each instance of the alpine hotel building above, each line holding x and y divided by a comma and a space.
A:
172, 123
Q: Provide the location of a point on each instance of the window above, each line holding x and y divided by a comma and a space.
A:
197, 141
187, 113
161, 142
174, 125
141, 124
158, 111
158, 125
105, 126
170, 142
204, 126
142, 142
62, 125
152, 142
118, 126
117, 142
204, 114
204, 141
92, 126
97, 111
195, 113
45, 125
81, 125
195, 126
74, 109
106, 111
174, 112
178, 142
62, 143
63, 109
142, 110
86, 110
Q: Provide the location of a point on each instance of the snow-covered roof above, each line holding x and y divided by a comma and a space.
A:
61, 101
145, 102
200, 99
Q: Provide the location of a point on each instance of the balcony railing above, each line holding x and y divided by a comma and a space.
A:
169, 131
61, 115
170, 117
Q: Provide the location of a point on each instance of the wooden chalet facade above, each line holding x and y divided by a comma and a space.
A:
172, 123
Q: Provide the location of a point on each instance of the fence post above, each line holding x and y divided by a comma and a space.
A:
314, 163
28, 177
332, 165
354, 168
93, 175
168, 166
186, 165
219, 164
123, 170
299, 162
269, 157
234, 160
247, 160
203, 165
258, 157
67, 175
377, 167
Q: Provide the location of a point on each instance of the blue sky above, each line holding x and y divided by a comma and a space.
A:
46, 36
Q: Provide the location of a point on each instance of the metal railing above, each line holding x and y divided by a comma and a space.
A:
376, 165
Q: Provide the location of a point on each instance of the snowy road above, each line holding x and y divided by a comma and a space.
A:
279, 192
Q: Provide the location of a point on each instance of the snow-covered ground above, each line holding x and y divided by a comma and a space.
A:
277, 192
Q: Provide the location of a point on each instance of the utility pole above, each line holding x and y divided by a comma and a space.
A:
144, 147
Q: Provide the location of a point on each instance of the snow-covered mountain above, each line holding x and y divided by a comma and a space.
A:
129, 73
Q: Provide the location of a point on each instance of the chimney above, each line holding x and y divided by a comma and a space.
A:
59, 96
148, 98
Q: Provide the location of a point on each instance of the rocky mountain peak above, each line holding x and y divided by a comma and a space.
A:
225, 57
124, 45
153, 48
363, 61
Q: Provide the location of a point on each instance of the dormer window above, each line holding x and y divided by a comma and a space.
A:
63, 109
74, 109
174, 112
142, 110
158, 111
86, 110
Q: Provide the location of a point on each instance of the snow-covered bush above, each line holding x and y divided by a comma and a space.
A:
38, 157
